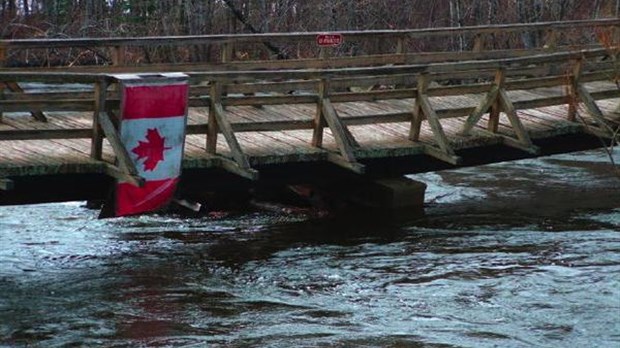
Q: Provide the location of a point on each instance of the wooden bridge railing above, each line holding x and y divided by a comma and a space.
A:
113, 51
326, 87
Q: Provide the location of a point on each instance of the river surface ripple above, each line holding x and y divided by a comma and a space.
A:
523, 254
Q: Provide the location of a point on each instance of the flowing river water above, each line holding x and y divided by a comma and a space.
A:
521, 254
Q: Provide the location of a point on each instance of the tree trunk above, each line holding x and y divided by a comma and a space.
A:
456, 20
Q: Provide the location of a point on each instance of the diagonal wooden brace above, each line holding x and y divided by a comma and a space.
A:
433, 121
497, 101
423, 109
38, 114
344, 139
490, 104
226, 128
326, 114
126, 169
218, 122
480, 110
593, 109
517, 126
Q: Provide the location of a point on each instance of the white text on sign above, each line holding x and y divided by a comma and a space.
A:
329, 40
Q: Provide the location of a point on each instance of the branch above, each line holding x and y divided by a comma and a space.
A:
609, 148
248, 26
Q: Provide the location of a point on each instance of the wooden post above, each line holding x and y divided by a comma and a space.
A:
481, 109
573, 94
523, 139
500, 80
400, 45
324, 53
418, 115
96, 144
551, 40
227, 52
219, 123
2, 89
424, 110
212, 127
118, 55
319, 120
478, 43
2, 55
326, 115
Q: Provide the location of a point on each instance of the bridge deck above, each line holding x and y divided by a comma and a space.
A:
59, 156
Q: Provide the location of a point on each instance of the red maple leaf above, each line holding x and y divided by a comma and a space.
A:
152, 149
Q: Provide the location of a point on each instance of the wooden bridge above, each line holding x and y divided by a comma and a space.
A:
58, 124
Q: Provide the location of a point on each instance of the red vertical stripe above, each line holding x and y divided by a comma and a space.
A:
155, 101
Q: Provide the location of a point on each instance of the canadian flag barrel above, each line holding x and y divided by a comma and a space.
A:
152, 129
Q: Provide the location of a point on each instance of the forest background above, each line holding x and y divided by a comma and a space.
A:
21, 19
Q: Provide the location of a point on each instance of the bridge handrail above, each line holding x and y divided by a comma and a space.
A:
328, 73
229, 76
227, 41
300, 36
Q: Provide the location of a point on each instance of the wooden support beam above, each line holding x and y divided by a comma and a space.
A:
592, 108
478, 43
500, 82
433, 121
6, 184
227, 130
400, 45
119, 174
344, 139
212, 127
573, 94
324, 53
577, 93
418, 114
2, 97
218, 121
344, 163
319, 120
551, 39
118, 55
326, 115
517, 126
423, 109
480, 110
36, 114
123, 158
497, 100
510, 142
96, 145
442, 156
3, 55
45, 134
233, 167
227, 52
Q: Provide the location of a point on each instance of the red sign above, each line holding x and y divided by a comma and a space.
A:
329, 40
153, 132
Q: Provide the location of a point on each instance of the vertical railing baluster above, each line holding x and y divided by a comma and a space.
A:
96, 148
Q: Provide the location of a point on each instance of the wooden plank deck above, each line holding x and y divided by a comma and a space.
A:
63, 156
